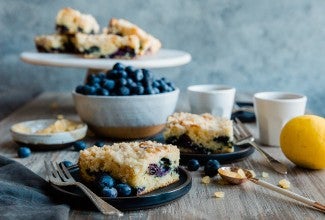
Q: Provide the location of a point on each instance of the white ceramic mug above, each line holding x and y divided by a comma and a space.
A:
273, 110
215, 99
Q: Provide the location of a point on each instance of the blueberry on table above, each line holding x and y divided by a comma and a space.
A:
118, 66
79, 145
99, 144
66, 163
109, 192
24, 152
106, 180
123, 189
193, 165
211, 168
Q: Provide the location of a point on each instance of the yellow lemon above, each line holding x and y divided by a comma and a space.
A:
302, 141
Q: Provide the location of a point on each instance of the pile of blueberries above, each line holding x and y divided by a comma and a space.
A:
124, 81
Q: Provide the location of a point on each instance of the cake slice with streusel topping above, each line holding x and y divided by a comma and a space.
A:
145, 166
71, 21
107, 46
148, 43
199, 133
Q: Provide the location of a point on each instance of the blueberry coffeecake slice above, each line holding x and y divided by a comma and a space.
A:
199, 133
54, 43
71, 21
145, 166
107, 45
148, 43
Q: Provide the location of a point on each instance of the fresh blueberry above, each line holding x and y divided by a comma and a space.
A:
148, 90
93, 79
90, 90
123, 189
101, 75
193, 165
106, 180
155, 90
121, 82
171, 85
112, 74
122, 74
66, 163
24, 152
102, 91
137, 75
130, 69
138, 90
124, 91
109, 192
80, 89
156, 83
118, 66
147, 74
99, 144
79, 145
108, 84
211, 168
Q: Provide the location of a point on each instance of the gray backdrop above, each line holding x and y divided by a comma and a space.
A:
254, 45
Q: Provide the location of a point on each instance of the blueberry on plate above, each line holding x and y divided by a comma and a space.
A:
123, 189
109, 192
79, 145
24, 152
106, 180
99, 144
211, 168
193, 165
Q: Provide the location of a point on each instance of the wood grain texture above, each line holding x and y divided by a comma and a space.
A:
246, 201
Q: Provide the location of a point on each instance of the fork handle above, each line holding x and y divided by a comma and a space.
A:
103, 206
275, 164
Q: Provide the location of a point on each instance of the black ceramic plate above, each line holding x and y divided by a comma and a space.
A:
150, 200
240, 152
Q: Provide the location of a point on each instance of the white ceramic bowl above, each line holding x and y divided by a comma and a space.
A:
126, 117
24, 132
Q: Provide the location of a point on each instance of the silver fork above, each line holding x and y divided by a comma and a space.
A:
59, 175
243, 136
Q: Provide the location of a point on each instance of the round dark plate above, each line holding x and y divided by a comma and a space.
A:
240, 152
153, 199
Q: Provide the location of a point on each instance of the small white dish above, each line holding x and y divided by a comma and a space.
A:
24, 132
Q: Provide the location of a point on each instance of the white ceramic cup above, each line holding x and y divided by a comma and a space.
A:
273, 110
215, 99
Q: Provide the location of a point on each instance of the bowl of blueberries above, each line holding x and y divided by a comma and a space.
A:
125, 102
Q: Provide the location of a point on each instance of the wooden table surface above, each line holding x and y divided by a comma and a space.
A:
246, 201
